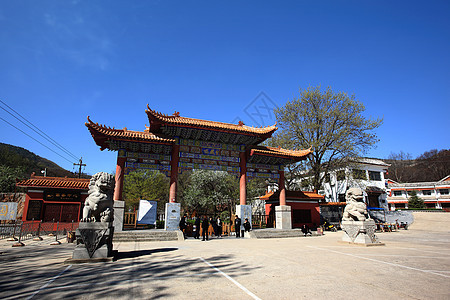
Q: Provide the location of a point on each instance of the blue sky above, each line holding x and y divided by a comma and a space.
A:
61, 61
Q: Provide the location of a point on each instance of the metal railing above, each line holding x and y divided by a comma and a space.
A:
8, 230
28, 230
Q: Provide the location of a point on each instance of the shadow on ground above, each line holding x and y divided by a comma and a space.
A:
134, 275
139, 253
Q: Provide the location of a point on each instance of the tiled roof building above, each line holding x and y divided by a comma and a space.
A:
54, 198
435, 194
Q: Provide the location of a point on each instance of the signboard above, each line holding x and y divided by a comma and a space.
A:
62, 196
147, 212
8, 211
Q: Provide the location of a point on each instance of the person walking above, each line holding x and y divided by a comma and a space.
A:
237, 226
219, 227
197, 226
205, 226
213, 224
247, 226
183, 225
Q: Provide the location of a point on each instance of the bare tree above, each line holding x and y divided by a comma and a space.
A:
331, 124
398, 169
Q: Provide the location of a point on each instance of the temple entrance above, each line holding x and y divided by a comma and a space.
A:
373, 199
173, 144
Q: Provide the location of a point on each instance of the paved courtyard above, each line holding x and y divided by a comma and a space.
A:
414, 264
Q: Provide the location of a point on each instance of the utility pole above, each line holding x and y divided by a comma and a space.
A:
80, 163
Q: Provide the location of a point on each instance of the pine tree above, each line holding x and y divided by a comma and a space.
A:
414, 201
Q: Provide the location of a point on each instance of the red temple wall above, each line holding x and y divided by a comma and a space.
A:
62, 211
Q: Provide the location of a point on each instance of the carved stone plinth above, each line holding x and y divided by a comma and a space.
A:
283, 217
172, 216
360, 232
94, 241
119, 210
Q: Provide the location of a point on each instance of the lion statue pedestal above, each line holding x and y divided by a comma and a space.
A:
357, 226
95, 232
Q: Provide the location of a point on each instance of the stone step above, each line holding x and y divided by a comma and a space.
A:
147, 235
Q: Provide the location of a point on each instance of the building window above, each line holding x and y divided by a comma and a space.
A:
430, 205
397, 193
327, 178
443, 191
340, 175
426, 192
376, 176
359, 174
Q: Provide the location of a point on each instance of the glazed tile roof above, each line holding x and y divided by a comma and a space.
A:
293, 195
55, 182
158, 118
280, 152
101, 133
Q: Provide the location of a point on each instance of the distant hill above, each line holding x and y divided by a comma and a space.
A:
17, 157
431, 166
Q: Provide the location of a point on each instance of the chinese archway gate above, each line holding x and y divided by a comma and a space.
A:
172, 144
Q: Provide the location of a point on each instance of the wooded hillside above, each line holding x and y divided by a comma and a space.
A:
17, 162
432, 165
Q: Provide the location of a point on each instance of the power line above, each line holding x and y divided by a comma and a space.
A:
38, 131
35, 139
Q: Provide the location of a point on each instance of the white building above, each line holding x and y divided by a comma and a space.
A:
366, 173
434, 194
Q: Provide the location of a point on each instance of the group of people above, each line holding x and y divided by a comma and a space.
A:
204, 224
237, 227
216, 224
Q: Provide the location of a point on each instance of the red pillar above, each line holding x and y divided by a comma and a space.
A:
282, 188
120, 172
243, 179
174, 173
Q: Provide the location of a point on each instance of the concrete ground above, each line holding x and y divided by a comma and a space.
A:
414, 264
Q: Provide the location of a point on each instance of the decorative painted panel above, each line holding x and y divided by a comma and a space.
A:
209, 155
148, 161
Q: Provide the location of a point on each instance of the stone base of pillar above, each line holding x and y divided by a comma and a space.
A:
283, 217
172, 216
360, 232
119, 212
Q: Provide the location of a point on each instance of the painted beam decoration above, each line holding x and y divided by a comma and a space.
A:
199, 155
147, 161
263, 170
209, 156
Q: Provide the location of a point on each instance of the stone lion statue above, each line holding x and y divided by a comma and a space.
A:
356, 209
98, 206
